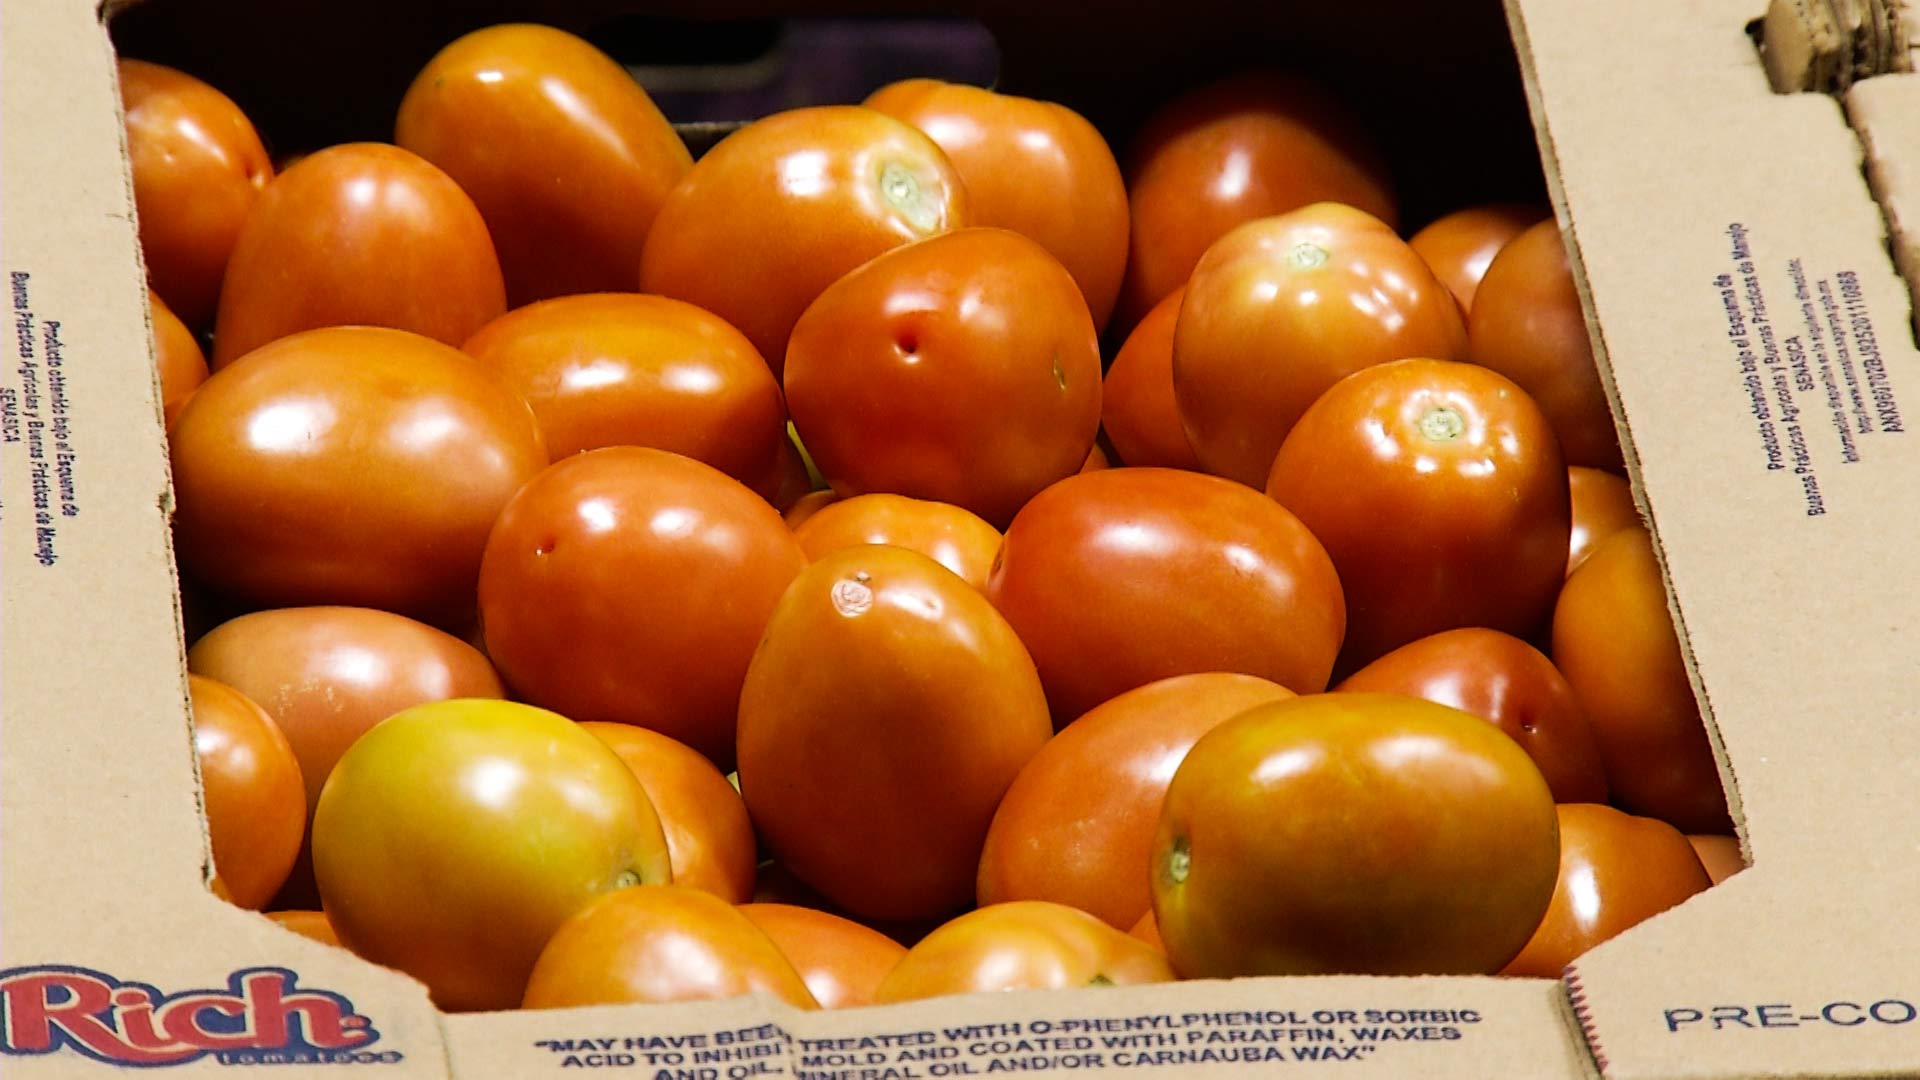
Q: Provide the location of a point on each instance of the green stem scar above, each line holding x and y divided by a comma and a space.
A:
1179, 861
1306, 256
1443, 424
628, 878
901, 189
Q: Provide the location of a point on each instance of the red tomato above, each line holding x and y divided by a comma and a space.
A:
841, 961
1527, 325
1243, 148
1077, 825
177, 355
1616, 871
948, 535
625, 370
658, 944
197, 168
780, 209
1614, 641
1508, 683
962, 369
1720, 855
1034, 167
630, 586
1136, 401
1117, 579
1024, 945
1281, 309
1460, 246
565, 155
1364, 834
1602, 505
889, 702
709, 838
363, 234
308, 924
256, 805
1439, 492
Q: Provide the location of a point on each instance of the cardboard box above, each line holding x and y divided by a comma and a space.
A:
1746, 312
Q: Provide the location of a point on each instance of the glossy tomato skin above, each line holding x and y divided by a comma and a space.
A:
808, 505
350, 465
1438, 490
963, 369
362, 234
1247, 147
1508, 683
709, 838
887, 710
1137, 408
466, 822
657, 944
1022, 945
1035, 167
198, 166
630, 586
1614, 640
1603, 504
780, 209
1616, 871
176, 353
625, 370
1119, 578
1460, 246
1077, 825
1354, 834
565, 155
841, 961
954, 538
1720, 855
255, 803
1527, 324
1281, 309
308, 924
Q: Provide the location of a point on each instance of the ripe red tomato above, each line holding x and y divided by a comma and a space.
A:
1077, 824
841, 961
1352, 834
197, 166
624, 370
1508, 683
657, 944
1616, 871
1720, 855
1281, 309
177, 355
565, 155
1243, 148
255, 803
630, 586
889, 702
950, 536
709, 838
1460, 246
363, 234
1438, 491
1527, 324
454, 838
780, 209
962, 369
1119, 578
308, 924
350, 465
1022, 945
1034, 167
1136, 401
1614, 641
1602, 505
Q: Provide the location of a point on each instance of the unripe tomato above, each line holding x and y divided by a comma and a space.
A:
1023, 945
1460, 246
841, 961
709, 838
255, 803
308, 924
954, 538
182, 366
1720, 855
1136, 400
1602, 505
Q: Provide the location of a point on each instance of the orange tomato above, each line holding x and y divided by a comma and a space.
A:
308, 924
1136, 400
660, 943
1602, 505
709, 838
1720, 855
787, 481
176, 354
198, 166
1460, 246
1096, 460
890, 703
780, 209
362, 234
1034, 167
962, 369
565, 155
255, 803
1148, 930
1023, 945
626, 370
350, 465
841, 961
808, 505
950, 536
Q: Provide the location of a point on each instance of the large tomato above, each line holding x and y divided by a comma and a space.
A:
197, 166
1022, 945
963, 368
1439, 492
954, 538
630, 586
255, 803
1077, 824
1352, 834
1282, 308
780, 209
1137, 407
350, 465
1614, 641
1119, 578
1460, 246
565, 155
841, 961
709, 837
626, 370
176, 354
1246, 147
886, 712
362, 234
1035, 167
1602, 505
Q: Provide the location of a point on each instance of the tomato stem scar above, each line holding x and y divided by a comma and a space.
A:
901, 189
1306, 256
1179, 861
628, 878
1443, 423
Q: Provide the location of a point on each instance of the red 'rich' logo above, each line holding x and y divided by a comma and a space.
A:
53, 1007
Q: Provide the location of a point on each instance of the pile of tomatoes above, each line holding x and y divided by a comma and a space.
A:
643, 579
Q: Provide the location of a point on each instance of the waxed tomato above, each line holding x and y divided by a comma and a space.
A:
842, 961
1602, 505
954, 538
709, 837
255, 803
176, 354
1460, 246
1137, 407
1022, 945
